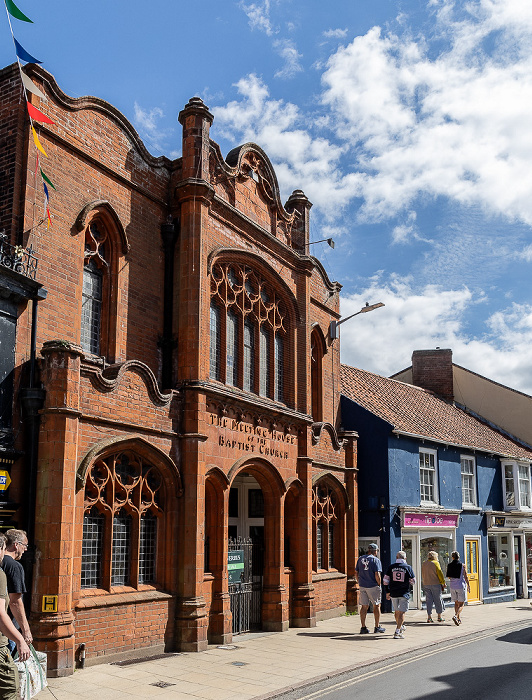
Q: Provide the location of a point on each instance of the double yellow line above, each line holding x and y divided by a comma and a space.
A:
414, 659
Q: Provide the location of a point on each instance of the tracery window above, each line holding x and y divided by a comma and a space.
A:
327, 515
124, 499
248, 331
94, 271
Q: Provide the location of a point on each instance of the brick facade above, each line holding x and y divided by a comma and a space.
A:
168, 239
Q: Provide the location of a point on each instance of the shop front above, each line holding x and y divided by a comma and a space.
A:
509, 555
425, 531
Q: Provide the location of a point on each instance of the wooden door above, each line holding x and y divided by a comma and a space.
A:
472, 568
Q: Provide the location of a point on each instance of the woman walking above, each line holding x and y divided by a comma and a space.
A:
458, 581
433, 585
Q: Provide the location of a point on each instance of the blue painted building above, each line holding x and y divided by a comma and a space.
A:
433, 476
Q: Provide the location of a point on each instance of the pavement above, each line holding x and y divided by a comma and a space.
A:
264, 665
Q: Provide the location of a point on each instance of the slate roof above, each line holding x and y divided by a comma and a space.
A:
415, 411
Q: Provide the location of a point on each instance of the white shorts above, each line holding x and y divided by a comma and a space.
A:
370, 595
400, 604
458, 595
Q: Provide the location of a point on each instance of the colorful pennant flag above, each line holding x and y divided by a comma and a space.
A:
15, 12
49, 222
23, 54
30, 86
37, 115
37, 142
47, 179
46, 191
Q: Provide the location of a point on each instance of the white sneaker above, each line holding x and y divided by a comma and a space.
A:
403, 628
398, 634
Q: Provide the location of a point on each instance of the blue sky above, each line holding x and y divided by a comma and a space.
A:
407, 124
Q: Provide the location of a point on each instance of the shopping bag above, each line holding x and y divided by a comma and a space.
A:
32, 674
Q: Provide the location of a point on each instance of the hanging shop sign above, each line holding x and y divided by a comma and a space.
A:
5, 480
432, 520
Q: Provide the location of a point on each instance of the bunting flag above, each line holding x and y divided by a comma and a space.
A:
37, 142
30, 85
23, 54
37, 115
16, 13
47, 179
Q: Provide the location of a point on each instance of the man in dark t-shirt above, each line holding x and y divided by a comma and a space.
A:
398, 580
17, 544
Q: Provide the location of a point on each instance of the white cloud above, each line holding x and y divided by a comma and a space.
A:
383, 340
289, 53
403, 123
335, 33
300, 160
147, 124
455, 125
258, 14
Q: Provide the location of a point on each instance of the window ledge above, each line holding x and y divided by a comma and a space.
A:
501, 588
129, 598
327, 576
471, 509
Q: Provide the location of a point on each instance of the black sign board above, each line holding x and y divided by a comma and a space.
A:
235, 565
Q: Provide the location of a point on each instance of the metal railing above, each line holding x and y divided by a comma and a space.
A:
17, 258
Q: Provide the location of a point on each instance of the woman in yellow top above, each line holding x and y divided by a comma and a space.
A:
433, 585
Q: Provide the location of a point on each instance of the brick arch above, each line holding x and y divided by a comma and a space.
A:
336, 485
142, 447
257, 262
264, 472
103, 209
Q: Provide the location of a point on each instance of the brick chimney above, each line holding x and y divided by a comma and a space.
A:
433, 370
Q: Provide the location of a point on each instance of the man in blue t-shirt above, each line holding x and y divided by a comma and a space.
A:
368, 571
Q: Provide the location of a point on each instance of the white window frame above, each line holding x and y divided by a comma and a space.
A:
520, 497
434, 454
473, 476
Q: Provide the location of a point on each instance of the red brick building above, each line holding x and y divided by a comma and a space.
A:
189, 389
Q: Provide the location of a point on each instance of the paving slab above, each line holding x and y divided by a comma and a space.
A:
268, 664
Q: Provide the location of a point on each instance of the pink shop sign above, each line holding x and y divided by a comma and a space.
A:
430, 520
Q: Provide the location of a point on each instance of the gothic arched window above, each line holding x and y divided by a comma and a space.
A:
327, 516
248, 332
124, 500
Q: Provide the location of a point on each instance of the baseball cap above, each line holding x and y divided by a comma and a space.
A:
374, 547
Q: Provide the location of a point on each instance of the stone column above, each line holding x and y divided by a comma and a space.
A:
303, 602
55, 506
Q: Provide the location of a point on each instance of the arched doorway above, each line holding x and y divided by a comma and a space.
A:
246, 547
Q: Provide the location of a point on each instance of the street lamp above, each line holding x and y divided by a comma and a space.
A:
329, 242
333, 327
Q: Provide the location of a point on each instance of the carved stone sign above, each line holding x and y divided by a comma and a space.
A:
255, 439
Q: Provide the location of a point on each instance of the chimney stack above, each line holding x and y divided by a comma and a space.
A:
433, 370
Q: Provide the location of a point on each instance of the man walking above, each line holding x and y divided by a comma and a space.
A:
368, 572
16, 545
397, 582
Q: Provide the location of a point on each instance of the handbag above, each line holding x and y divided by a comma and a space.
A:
32, 674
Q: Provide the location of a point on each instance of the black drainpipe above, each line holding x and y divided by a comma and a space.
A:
169, 234
32, 400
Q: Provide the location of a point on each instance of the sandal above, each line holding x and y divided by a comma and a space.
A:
429, 619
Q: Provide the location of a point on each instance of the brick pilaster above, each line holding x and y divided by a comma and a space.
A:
55, 507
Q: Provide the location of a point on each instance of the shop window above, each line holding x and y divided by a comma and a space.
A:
428, 477
99, 293
499, 561
442, 544
516, 486
327, 516
528, 547
469, 491
248, 339
123, 503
